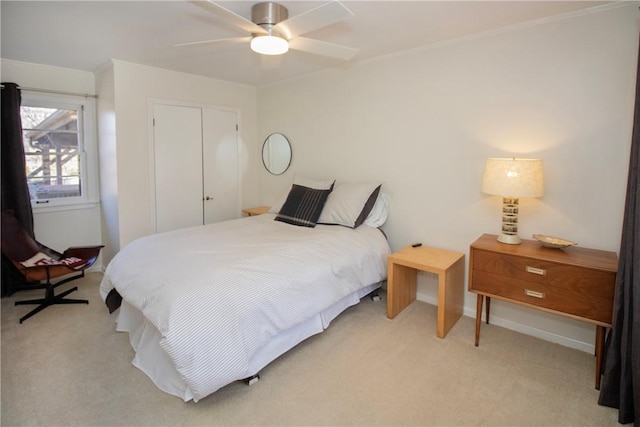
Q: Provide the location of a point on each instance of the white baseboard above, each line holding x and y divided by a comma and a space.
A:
522, 328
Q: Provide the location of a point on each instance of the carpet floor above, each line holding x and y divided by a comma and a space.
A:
67, 366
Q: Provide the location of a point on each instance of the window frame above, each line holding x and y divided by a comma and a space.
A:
87, 149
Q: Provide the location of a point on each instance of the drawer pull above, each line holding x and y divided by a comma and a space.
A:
534, 270
535, 294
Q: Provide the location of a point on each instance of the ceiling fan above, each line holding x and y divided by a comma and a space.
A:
274, 33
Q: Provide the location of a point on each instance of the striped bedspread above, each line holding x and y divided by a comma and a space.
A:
219, 292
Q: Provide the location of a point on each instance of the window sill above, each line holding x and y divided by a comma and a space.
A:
63, 207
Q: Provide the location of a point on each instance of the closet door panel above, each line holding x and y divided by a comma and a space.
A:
178, 167
220, 165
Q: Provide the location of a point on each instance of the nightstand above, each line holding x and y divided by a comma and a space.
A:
259, 210
574, 282
402, 282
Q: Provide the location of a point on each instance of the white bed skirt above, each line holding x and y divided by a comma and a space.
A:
151, 359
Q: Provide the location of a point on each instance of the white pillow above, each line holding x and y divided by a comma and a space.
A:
275, 207
380, 211
313, 183
305, 182
349, 204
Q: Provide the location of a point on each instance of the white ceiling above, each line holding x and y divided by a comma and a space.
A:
84, 34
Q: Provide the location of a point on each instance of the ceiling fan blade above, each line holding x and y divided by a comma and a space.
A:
321, 16
322, 48
216, 41
230, 16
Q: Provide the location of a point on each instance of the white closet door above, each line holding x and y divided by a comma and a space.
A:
220, 165
178, 166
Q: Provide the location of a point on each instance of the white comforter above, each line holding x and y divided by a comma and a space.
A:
218, 293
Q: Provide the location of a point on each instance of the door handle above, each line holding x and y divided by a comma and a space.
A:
208, 198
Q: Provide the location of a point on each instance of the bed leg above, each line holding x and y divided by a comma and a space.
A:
252, 379
375, 296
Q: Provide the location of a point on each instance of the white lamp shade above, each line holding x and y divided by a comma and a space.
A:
513, 177
269, 45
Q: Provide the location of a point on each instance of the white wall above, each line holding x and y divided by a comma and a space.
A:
134, 86
59, 228
47, 77
106, 111
423, 123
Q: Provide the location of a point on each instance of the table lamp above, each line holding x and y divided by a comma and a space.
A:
512, 178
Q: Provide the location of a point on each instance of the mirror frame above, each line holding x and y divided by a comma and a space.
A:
264, 146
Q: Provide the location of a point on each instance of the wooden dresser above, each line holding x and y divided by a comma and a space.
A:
574, 282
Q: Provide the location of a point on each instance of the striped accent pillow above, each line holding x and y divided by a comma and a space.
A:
303, 206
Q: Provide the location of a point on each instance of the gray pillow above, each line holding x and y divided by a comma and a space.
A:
303, 206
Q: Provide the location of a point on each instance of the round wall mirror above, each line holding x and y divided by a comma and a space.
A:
276, 153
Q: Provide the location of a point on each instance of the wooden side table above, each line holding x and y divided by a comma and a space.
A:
575, 282
402, 282
259, 210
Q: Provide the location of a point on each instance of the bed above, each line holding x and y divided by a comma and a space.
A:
210, 305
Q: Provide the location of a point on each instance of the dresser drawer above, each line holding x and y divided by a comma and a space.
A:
564, 300
577, 283
554, 277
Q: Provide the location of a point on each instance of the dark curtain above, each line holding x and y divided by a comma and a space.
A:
14, 189
620, 386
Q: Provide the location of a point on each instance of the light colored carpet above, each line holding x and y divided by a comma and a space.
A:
67, 366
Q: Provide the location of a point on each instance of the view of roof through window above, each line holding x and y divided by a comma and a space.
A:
50, 138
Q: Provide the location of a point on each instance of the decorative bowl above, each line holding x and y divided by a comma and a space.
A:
553, 242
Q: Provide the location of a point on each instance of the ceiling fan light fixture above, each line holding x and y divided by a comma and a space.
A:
269, 45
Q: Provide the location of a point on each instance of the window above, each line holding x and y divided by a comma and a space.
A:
57, 133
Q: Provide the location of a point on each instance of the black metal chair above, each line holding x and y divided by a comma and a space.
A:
39, 264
